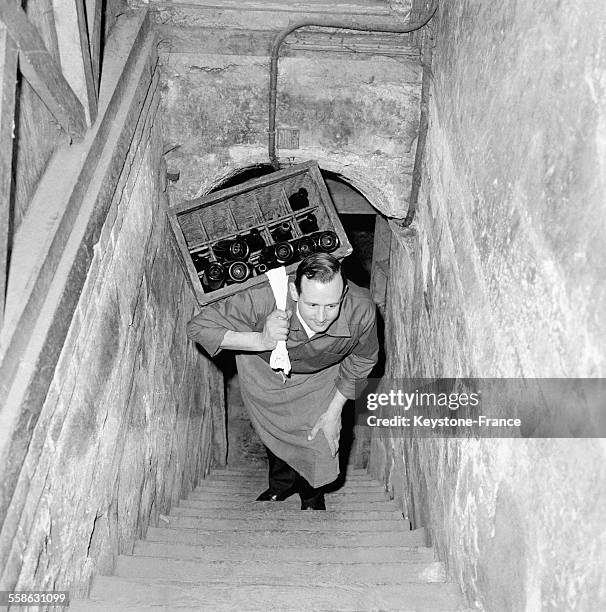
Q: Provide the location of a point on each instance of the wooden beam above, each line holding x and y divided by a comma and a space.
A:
94, 18
8, 78
41, 71
74, 50
41, 15
92, 90
379, 275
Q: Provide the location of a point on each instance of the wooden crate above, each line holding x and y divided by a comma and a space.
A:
259, 203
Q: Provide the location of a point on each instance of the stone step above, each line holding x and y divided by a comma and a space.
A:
277, 572
263, 468
304, 521
287, 538
113, 593
255, 511
292, 503
263, 476
311, 554
367, 496
235, 487
262, 471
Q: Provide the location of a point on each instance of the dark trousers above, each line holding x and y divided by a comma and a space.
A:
283, 478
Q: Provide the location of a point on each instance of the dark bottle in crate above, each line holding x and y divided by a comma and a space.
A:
255, 240
299, 199
305, 246
266, 260
261, 267
200, 261
213, 276
284, 252
232, 250
278, 255
238, 271
282, 232
327, 241
309, 224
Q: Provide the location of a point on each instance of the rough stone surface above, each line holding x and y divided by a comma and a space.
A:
126, 427
502, 275
244, 445
400, 6
357, 115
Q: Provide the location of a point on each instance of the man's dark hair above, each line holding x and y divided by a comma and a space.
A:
321, 267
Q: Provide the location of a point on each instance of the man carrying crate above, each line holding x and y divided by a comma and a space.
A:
329, 326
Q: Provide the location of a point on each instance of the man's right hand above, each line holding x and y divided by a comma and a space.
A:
275, 329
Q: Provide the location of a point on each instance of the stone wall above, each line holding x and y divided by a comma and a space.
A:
502, 275
353, 97
127, 425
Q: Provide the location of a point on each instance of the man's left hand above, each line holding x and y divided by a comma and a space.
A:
330, 424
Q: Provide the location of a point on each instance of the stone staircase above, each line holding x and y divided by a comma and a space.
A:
221, 551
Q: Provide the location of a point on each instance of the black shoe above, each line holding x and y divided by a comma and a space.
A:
315, 503
270, 495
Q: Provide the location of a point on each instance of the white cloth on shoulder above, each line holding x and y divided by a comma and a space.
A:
278, 280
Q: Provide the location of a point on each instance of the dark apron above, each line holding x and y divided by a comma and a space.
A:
283, 414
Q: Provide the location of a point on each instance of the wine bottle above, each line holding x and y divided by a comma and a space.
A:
255, 240
232, 250
305, 246
279, 254
299, 199
266, 260
327, 241
282, 232
213, 276
238, 271
261, 267
309, 224
284, 252
200, 261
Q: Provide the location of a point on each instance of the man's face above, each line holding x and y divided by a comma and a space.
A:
319, 303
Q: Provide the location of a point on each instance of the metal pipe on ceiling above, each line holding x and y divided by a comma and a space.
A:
422, 137
350, 23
